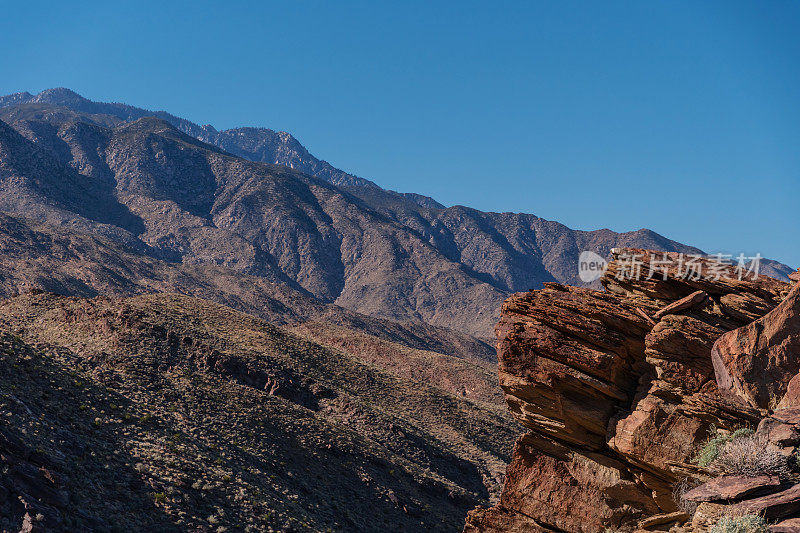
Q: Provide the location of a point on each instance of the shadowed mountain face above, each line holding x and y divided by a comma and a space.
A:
169, 413
153, 186
65, 261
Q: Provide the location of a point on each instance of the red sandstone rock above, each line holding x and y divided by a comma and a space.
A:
773, 506
733, 488
745, 306
788, 416
679, 347
792, 397
696, 299
757, 361
792, 525
778, 432
612, 402
663, 519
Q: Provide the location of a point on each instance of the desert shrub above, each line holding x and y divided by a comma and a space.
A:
749, 523
751, 456
710, 450
681, 488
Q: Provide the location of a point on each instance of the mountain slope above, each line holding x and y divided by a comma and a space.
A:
265, 145
198, 205
170, 413
66, 261
364, 248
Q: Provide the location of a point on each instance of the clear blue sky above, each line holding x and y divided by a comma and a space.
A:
683, 117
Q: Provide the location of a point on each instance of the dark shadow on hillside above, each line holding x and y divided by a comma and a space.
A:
65, 469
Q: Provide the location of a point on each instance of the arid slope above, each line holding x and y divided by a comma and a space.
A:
169, 412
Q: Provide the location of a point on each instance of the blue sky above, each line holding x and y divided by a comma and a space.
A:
682, 117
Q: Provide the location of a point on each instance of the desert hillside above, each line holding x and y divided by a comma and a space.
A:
166, 413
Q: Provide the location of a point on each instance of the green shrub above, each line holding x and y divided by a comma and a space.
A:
740, 524
710, 450
751, 456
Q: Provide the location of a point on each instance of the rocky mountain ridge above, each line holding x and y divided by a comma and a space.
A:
141, 182
256, 144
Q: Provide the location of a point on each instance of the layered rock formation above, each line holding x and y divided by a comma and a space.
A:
758, 361
617, 389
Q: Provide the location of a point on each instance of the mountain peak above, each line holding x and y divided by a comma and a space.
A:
59, 96
15, 98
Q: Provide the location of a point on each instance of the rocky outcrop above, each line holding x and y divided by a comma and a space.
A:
617, 389
758, 361
773, 506
792, 525
733, 488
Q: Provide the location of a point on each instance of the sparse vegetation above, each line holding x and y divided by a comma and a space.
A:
742, 453
740, 524
710, 450
231, 449
681, 488
751, 456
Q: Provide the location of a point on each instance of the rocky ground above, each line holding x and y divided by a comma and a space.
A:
164, 412
658, 404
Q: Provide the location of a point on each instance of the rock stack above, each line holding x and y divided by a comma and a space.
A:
620, 393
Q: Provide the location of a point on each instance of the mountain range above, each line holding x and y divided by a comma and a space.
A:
255, 202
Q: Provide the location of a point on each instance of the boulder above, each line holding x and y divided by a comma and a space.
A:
499, 518
757, 362
778, 432
664, 519
773, 506
733, 488
570, 491
792, 397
